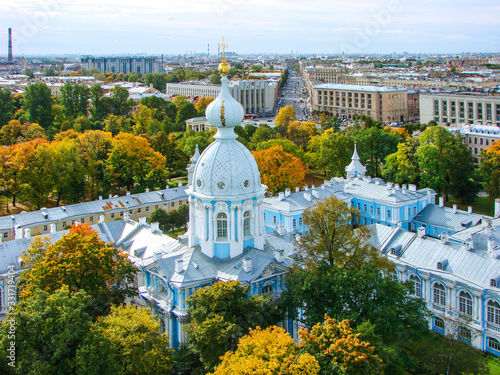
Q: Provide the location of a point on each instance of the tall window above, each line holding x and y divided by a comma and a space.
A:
439, 294
246, 223
493, 312
221, 226
465, 303
416, 286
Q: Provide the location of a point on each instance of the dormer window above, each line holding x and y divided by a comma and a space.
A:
440, 266
493, 283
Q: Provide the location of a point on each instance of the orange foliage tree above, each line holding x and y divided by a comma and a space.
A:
203, 102
338, 350
81, 261
268, 351
279, 169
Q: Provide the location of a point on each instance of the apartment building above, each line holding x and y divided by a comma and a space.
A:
380, 103
125, 65
460, 108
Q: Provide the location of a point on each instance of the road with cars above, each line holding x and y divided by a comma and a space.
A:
294, 92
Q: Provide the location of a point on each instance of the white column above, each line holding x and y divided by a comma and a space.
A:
239, 222
230, 224
210, 223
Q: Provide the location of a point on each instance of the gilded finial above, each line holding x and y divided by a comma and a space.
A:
223, 66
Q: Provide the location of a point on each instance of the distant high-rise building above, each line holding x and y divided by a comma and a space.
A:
125, 65
10, 45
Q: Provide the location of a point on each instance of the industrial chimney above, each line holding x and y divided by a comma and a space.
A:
10, 45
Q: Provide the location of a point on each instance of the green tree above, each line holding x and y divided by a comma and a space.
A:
221, 314
99, 106
215, 79
367, 298
120, 105
335, 154
128, 342
7, 106
374, 145
446, 164
68, 171
37, 102
331, 239
401, 166
49, 327
185, 112
161, 217
80, 260
75, 99
159, 80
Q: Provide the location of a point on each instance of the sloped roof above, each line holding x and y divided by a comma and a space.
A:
444, 217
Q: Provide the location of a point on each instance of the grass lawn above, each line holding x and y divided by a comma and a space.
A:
494, 365
176, 233
482, 205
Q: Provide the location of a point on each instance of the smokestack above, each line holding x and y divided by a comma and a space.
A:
10, 46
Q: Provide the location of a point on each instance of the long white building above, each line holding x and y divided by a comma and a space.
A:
256, 96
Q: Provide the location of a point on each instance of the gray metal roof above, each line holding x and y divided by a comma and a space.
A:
475, 267
74, 211
445, 217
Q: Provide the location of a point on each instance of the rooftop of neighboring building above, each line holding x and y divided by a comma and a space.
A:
329, 86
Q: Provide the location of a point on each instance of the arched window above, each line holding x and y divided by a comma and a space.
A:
439, 294
221, 226
465, 303
416, 286
267, 290
465, 334
439, 323
493, 312
493, 344
246, 223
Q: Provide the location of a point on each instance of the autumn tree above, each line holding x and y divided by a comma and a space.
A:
202, 103
80, 260
279, 169
332, 240
15, 132
132, 161
221, 314
301, 132
339, 350
36, 163
285, 116
267, 351
145, 122
128, 342
288, 146
37, 102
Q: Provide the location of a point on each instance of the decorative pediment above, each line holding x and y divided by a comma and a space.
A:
270, 270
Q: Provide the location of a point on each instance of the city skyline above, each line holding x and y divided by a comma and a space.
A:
90, 27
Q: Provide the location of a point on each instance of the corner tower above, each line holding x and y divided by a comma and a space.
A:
226, 195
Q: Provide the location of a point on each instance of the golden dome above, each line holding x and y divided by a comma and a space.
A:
224, 67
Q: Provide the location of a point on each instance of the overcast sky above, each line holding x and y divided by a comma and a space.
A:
279, 26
